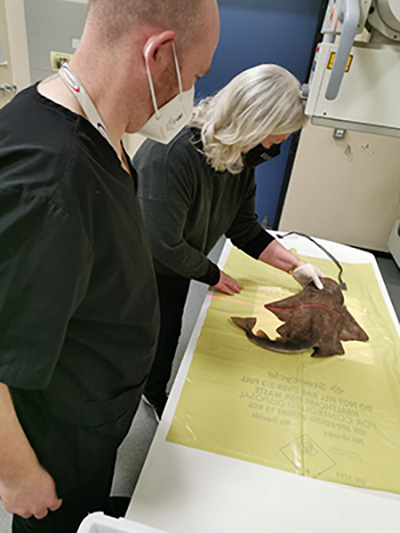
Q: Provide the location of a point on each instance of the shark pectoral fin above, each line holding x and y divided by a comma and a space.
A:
245, 323
352, 331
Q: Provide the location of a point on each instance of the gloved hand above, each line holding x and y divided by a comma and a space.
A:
306, 273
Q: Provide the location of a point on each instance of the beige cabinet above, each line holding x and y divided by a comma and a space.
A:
344, 190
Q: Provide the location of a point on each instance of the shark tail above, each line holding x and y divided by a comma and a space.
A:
261, 338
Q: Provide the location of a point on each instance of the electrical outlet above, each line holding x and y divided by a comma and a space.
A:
57, 60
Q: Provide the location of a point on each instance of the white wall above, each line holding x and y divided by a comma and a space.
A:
13, 37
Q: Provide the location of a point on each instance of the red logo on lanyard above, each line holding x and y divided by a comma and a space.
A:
71, 80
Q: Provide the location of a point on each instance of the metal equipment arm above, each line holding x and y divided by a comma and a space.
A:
350, 15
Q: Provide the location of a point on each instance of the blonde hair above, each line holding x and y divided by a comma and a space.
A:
261, 101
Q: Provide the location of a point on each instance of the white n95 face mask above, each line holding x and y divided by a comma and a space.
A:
169, 119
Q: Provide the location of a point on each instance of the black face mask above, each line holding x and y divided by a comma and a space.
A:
259, 154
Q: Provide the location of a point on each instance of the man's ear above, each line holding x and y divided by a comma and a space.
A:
156, 46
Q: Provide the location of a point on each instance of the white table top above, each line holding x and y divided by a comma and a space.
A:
184, 490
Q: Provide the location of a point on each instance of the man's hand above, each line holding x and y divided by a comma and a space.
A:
228, 285
26, 488
33, 494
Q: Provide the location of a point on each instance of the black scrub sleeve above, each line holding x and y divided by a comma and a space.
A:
45, 266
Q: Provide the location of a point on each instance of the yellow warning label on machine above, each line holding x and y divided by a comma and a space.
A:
332, 59
335, 418
57, 60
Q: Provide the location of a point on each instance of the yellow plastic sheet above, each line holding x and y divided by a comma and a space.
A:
336, 418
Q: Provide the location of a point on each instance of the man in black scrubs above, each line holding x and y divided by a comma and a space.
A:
78, 304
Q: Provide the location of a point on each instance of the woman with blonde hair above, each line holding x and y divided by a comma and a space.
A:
202, 186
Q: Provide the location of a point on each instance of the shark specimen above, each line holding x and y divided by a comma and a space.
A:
313, 319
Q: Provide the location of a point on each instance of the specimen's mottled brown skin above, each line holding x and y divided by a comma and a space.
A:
316, 319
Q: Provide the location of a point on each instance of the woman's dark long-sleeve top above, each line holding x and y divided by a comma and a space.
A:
187, 206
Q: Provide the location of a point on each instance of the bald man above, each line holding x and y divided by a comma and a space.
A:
79, 315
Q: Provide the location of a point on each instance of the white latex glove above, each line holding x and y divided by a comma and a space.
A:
306, 273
